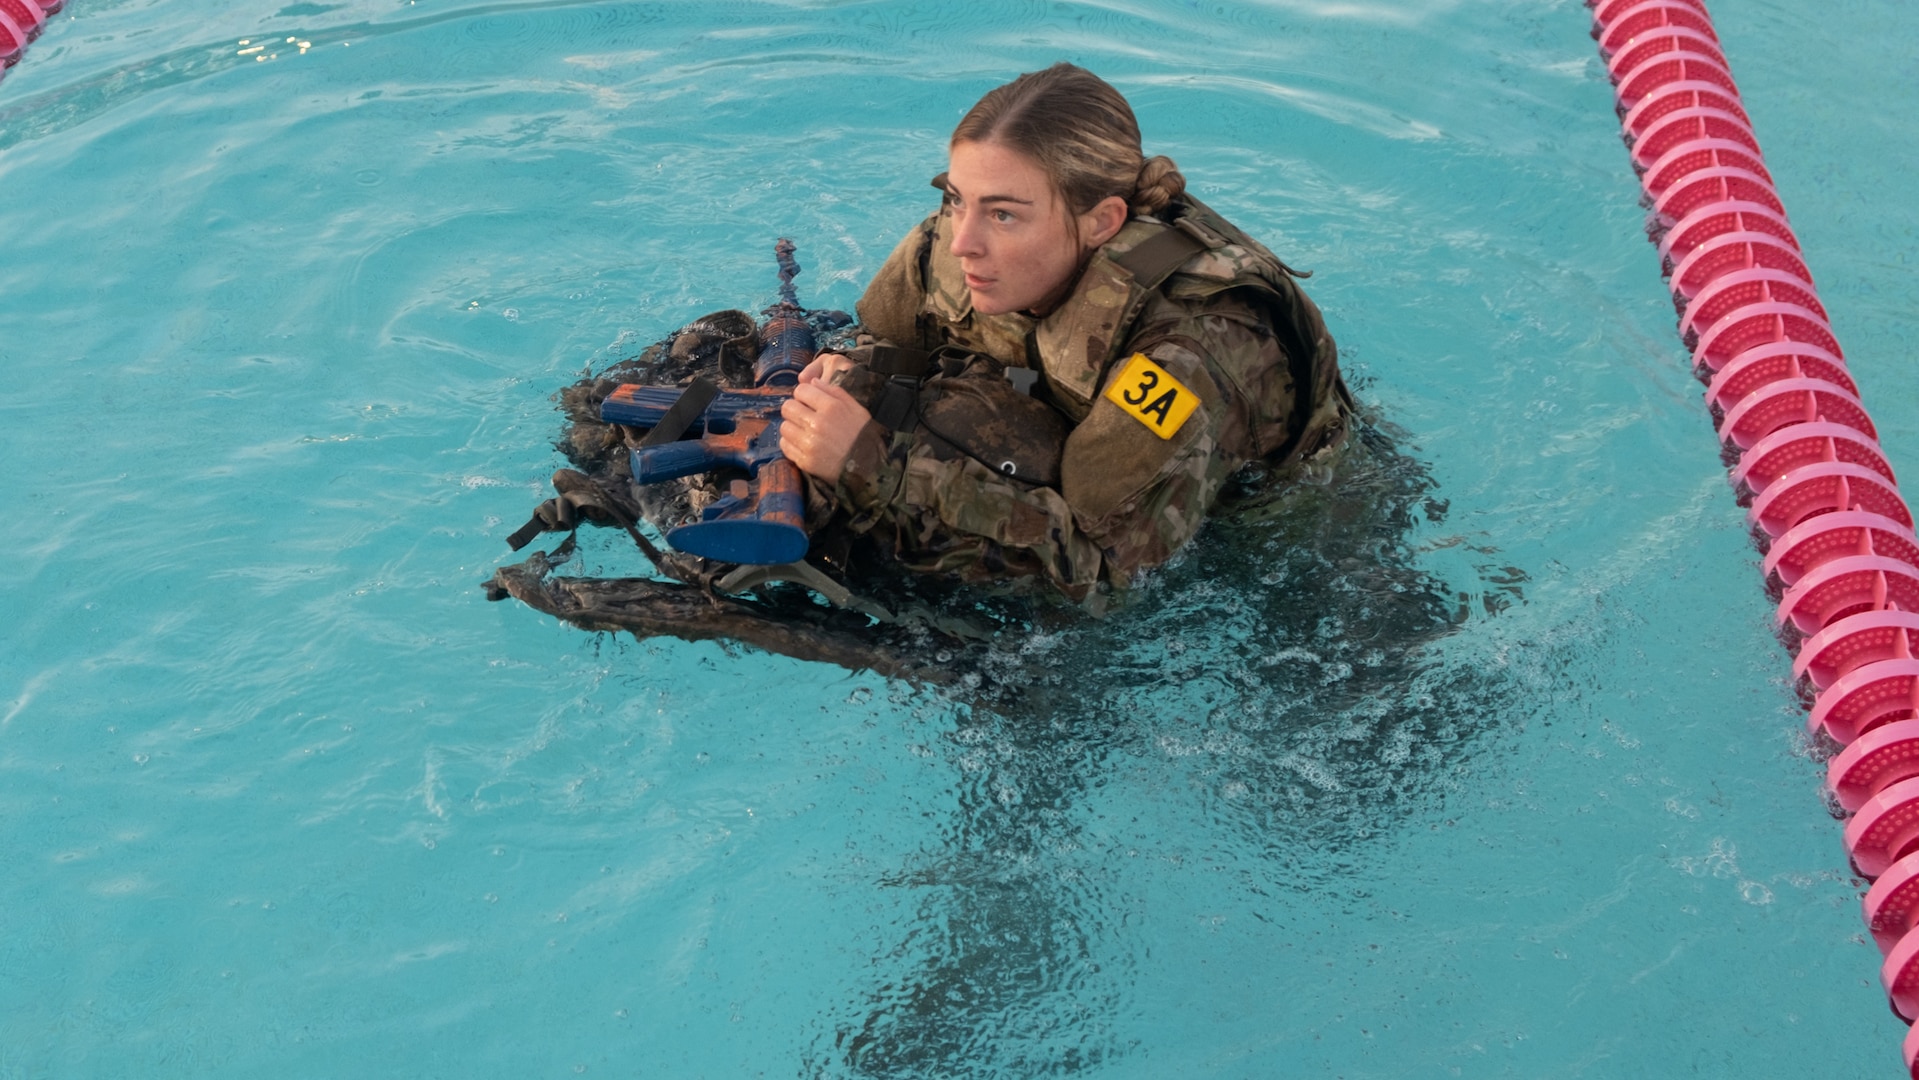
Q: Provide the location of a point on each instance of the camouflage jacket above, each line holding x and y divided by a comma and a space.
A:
1175, 360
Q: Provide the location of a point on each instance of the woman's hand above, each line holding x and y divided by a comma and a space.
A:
821, 424
824, 367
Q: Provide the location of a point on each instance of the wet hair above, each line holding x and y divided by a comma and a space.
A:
1081, 133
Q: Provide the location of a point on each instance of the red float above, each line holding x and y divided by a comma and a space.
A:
1672, 97
1761, 366
1742, 287
1651, 16
1821, 539
1683, 126
1792, 401
1709, 186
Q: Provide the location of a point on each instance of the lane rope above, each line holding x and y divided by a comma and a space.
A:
1818, 490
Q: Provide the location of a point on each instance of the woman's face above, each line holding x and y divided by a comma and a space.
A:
1012, 233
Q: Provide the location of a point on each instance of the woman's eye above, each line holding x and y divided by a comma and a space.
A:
1004, 217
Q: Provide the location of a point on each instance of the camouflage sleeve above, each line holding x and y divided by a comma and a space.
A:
1139, 473
1130, 494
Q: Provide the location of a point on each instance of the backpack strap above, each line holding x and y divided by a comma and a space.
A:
1154, 259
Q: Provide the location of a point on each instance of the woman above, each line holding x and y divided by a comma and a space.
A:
1105, 352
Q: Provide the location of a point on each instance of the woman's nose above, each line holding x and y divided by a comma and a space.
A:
965, 243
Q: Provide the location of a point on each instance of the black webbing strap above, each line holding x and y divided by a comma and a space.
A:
524, 534
898, 406
898, 360
1154, 259
580, 497
686, 408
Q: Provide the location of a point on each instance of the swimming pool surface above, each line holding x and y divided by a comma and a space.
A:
1495, 772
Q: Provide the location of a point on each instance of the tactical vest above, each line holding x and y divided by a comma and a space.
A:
1127, 288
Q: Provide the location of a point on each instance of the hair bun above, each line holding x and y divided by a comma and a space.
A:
1159, 185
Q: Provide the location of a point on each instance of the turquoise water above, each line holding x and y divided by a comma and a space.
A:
282, 794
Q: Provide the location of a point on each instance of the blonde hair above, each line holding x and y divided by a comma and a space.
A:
1081, 133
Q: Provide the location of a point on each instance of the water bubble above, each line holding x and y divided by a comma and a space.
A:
512, 314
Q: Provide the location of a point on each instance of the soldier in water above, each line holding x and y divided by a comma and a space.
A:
1066, 362
1060, 372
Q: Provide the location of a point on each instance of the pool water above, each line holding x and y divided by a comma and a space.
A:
1484, 761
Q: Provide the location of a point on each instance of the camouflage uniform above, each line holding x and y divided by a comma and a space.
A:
1219, 314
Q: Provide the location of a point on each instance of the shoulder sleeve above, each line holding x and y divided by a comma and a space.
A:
1140, 486
890, 307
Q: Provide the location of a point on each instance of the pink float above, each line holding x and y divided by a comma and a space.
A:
1762, 365
1910, 1047
1792, 401
1672, 97
1709, 186
27, 14
1673, 40
1731, 253
1875, 761
1680, 127
20, 22
1900, 974
1758, 325
1821, 539
1865, 698
1856, 640
13, 40
1689, 157
1892, 904
1811, 490
1649, 17
1885, 830
1798, 445
1841, 542
1708, 223
1849, 586
1742, 287
1669, 69
1606, 12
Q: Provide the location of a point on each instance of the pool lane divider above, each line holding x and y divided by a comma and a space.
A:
20, 22
1840, 550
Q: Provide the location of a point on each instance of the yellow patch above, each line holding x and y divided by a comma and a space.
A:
1145, 392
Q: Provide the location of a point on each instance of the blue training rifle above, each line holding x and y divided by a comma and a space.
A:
699, 428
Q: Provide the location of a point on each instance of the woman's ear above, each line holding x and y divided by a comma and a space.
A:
1104, 221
